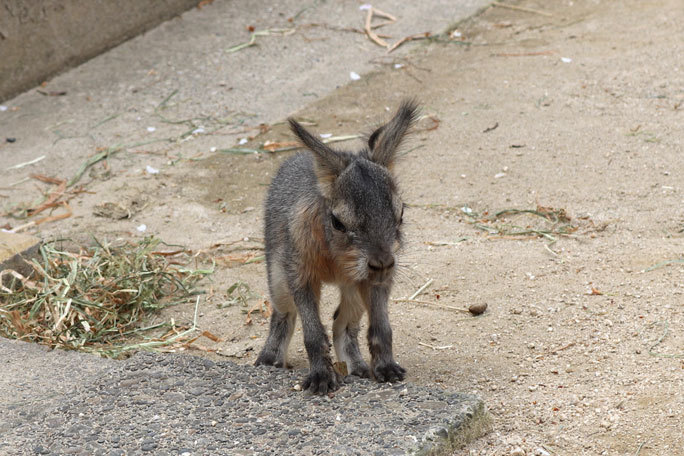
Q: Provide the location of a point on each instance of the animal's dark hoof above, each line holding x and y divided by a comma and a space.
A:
389, 372
322, 382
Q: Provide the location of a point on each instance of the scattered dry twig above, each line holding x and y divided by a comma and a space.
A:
254, 35
30, 162
445, 347
521, 8
406, 39
285, 147
421, 289
265, 313
492, 128
368, 29
561, 224
666, 331
432, 304
663, 263
523, 54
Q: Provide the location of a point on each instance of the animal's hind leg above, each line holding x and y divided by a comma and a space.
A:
346, 326
283, 321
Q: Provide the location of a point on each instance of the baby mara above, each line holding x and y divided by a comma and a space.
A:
335, 216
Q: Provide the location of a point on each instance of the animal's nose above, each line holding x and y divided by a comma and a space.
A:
380, 262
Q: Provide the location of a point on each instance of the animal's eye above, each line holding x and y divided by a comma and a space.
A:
337, 224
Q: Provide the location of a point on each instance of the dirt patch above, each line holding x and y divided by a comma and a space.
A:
580, 350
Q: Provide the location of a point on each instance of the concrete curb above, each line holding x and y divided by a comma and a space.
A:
40, 38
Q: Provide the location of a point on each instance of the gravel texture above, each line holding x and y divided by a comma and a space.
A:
180, 404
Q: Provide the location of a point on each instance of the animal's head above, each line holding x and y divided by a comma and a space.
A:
363, 208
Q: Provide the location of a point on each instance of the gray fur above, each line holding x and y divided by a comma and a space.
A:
335, 216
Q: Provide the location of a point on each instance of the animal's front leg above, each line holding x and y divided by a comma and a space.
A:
383, 366
322, 377
346, 330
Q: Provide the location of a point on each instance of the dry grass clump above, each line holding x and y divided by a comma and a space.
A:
93, 299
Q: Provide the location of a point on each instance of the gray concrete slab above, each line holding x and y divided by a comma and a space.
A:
180, 404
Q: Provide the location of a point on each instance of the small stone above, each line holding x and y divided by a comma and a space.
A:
517, 451
478, 308
148, 446
11, 140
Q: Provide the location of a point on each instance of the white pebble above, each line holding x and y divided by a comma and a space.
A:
151, 129
354, 76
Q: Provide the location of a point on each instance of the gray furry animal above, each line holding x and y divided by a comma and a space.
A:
335, 216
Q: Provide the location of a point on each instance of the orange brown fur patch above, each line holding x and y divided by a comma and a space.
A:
316, 263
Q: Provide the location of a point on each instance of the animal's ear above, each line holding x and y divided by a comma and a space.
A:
328, 163
385, 141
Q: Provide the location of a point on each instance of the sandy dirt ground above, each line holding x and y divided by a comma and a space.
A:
576, 115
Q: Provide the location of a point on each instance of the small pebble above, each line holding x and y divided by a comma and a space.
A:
477, 309
517, 451
11, 140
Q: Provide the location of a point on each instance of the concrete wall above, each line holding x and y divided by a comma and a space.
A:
40, 38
